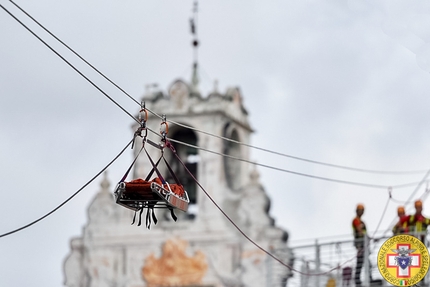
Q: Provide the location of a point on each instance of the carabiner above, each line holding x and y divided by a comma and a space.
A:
164, 128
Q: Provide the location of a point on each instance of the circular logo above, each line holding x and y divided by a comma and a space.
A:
403, 260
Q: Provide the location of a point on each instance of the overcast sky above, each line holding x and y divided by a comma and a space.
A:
343, 82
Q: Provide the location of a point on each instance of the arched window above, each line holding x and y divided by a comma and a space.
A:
232, 166
190, 157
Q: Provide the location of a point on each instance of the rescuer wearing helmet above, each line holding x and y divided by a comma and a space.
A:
401, 226
417, 223
359, 229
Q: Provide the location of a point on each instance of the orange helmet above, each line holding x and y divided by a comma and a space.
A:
360, 206
418, 203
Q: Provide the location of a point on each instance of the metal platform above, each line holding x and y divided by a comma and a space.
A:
153, 196
317, 256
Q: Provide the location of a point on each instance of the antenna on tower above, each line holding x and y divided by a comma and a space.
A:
195, 43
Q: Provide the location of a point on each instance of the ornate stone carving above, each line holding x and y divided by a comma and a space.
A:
102, 209
174, 267
73, 267
179, 93
112, 253
253, 208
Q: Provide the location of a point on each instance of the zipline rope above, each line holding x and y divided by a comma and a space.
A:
179, 124
70, 64
67, 200
188, 127
242, 232
298, 173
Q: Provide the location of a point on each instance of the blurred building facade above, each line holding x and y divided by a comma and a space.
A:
202, 248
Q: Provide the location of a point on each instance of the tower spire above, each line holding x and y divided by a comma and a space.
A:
195, 43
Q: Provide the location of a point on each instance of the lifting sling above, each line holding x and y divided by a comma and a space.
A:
140, 193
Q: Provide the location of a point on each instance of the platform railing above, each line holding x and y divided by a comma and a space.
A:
335, 259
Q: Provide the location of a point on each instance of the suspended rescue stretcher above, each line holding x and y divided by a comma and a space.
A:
140, 194
154, 193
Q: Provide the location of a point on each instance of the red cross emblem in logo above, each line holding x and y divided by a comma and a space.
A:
406, 272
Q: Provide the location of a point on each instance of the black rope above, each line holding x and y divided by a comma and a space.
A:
224, 138
168, 144
291, 156
298, 173
74, 52
67, 200
70, 64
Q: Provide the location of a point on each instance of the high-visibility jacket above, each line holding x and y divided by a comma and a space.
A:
331, 283
401, 226
416, 222
358, 222
359, 238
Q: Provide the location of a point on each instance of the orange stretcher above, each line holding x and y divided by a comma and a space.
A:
139, 193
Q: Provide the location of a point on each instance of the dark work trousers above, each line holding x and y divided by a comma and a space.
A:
358, 266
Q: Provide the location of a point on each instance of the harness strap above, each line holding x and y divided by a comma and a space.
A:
172, 214
172, 148
148, 218
148, 177
140, 217
134, 217
155, 168
134, 161
154, 218
150, 214
171, 172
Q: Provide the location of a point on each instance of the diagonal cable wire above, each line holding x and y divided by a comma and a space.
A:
410, 197
382, 217
67, 200
289, 171
262, 149
290, 156
297, 173
185, 126
241, 231
67, 62
74, 52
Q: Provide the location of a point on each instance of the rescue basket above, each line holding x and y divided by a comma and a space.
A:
140, 194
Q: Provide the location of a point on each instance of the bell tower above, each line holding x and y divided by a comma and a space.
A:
111, 252
202, 248
218, 115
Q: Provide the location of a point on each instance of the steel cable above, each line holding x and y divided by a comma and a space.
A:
243, 233
68, 199
179, 124
68, 63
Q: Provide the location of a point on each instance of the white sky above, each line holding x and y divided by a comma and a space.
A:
344, 82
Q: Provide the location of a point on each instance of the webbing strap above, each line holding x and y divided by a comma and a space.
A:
148, 218
134, 217
128, 170
172, 213
140, 217
153, 216
148, 177
172, 148
171, 172
150, 214
155, 168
